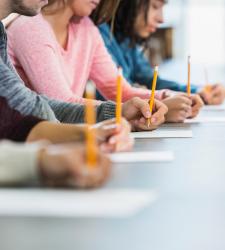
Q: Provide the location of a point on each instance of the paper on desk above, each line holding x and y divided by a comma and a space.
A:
207, 119
86, 204
164, 133
129, 157
214, 107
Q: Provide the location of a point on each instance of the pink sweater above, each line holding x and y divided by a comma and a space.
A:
62, 74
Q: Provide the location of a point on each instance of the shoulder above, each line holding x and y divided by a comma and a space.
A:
32, 28
104, 29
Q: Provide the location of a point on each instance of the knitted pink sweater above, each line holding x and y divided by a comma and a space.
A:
62, 74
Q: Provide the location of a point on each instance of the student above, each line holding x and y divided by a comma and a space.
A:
133, 25
61, 48
30, 103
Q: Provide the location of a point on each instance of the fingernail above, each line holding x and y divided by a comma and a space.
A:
112, 140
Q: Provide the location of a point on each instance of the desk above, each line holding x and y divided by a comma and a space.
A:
189, 214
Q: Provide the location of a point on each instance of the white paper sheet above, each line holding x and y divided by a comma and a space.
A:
129, 157
207, 119
86, 204
164, 133
214, 107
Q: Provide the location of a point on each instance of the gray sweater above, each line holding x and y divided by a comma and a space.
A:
28, 102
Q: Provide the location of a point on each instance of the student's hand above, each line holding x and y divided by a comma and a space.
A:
136, 111
114, 137
179, 108
213, 96
111, 137
197, 104
65, 166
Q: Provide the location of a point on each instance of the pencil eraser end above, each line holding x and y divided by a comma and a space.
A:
90, 87
120, 71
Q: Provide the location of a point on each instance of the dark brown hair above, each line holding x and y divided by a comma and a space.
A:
125, 19
104, 12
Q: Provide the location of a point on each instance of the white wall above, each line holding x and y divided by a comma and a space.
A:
200, 29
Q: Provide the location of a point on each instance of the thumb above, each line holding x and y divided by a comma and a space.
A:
143, 107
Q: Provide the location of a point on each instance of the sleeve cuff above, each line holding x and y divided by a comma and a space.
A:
108, 111
18, 163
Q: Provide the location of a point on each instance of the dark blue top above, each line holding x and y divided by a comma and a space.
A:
136, 67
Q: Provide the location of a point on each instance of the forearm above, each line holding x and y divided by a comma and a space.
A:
57, 133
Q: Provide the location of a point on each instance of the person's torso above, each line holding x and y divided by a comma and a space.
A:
75, 61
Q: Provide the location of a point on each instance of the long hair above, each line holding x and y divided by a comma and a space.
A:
103, 13
125, 19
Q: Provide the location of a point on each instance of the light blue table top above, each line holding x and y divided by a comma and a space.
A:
189, 214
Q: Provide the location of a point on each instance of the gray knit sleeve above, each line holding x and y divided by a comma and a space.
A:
74, 113
20, 97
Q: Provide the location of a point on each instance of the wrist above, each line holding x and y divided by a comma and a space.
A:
41, 162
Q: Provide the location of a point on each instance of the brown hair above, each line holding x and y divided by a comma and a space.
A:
125, 18
104, 12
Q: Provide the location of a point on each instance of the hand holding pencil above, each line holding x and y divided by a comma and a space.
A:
137, 112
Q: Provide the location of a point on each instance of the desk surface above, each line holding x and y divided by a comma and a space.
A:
189, 214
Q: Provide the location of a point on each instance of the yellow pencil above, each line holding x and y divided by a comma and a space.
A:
189, 77
90, 119
152, 98
207, 87
119, 96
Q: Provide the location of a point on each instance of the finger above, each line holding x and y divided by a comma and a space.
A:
185, 107
108, 131
206, 96
144, 127
96, 176
185, 99
107, 147
143, 107
158, 116
217, 100
122, 134
184, 114
197, 101
100, 176
157, 119
125, 146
